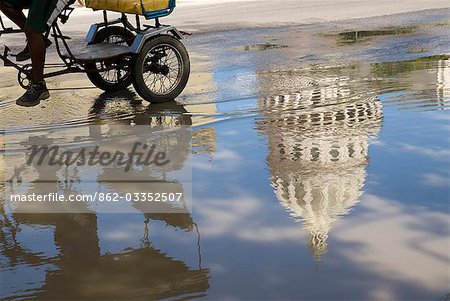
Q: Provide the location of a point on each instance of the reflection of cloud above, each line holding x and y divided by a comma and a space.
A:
125, 233
436, 180
224, 160
220, 217
228, 155
271, 234
440, 116
434, 153
398, 242
236, 217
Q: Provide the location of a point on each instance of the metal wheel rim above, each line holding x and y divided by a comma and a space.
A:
24, 78
113, 76
166, 85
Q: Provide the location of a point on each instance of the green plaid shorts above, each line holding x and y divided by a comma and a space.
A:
41, 13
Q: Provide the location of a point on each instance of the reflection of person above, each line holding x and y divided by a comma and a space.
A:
42, 13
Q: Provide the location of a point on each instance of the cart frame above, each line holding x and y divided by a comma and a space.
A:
70, 62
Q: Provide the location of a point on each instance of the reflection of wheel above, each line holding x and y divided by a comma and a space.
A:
24, 77
160, 71
118, 78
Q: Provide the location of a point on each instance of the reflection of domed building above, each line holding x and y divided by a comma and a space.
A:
318, 151
443, 80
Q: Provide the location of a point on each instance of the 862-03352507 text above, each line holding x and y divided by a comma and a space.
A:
100, 197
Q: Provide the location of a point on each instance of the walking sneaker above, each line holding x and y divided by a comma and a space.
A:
34, 95
25, 55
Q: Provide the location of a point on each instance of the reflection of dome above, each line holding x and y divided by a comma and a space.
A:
443, 80
318, 148
318, 197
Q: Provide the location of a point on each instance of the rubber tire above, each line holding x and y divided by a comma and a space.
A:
95, 77
137, 72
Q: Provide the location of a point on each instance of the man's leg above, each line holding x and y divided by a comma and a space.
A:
36, 25
36, 45
14, 14
13, 10
38, 89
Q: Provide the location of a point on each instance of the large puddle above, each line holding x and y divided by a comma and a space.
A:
318, 183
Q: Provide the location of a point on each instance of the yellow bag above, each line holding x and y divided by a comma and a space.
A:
128, 6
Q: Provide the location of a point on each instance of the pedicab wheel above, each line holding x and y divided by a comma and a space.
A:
24, 77
118, 78
160, 71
